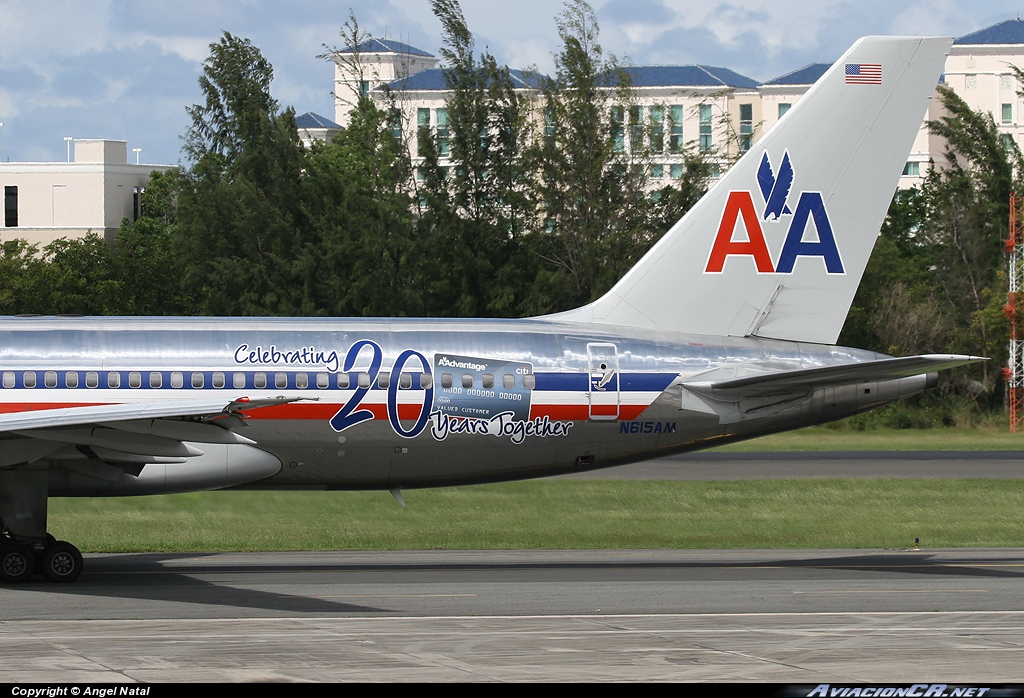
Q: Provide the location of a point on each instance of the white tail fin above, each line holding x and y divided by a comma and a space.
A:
778, 246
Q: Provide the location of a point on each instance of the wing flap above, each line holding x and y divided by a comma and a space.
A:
132, 411
125, 435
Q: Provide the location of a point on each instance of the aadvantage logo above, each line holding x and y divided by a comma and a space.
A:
775, 193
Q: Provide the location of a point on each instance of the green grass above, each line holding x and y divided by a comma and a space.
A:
938, 439
561, 514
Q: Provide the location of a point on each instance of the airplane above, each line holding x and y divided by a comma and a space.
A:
724, 330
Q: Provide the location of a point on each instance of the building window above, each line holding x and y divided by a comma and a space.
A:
422, 132
636, 129
11, 207
1007, 142
618, 138
549, 122
1007, 113
746, 127
675, 171
971, 82
657, 129
395, 121
657, 171
675, 140
364, 88
912, 169
442, 133
705, 127
783, 108
1004, 82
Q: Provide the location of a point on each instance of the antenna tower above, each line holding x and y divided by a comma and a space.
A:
1014, 373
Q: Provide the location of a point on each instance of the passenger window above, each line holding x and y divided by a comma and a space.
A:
134, 379
198, 380
322, 380
383, 380
155, 379
488, 380
301, 381
8, 379
71, 379
260, 380
467, 380
280, 380
238, 380
218, 380
508, 381
114, 380
426, 381
405, 381
446, 380
364, 380
343, 381
50, 379
529, 381
92, 379
30, 379
176, 380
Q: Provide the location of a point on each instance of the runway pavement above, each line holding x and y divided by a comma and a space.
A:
783, 616
790, 616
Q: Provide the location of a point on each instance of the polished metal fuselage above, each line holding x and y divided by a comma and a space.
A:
560, 419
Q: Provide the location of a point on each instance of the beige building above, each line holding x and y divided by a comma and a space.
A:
702, 107
44, 201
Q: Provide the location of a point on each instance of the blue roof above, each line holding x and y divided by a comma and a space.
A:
808, 75
688, 75
1009, 32
385, 46
314, 120
433, 79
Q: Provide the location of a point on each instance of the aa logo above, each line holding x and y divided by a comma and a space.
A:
775, 189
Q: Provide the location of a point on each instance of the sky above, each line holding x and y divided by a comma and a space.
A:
127, 70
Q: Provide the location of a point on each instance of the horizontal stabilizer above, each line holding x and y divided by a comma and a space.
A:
786, 382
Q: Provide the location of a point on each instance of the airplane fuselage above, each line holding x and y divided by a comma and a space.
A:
412, 403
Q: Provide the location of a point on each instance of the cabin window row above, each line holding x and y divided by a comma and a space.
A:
508, 381
239, 380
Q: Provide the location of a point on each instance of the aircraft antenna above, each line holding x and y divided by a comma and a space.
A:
1014, 373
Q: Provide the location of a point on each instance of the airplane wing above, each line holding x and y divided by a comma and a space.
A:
126, 434
787, 382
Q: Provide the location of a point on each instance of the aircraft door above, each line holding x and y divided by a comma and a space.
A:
603, 392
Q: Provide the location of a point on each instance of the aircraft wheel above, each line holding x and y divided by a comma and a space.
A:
17, 563
62, 562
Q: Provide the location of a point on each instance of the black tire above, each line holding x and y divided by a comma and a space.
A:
62, 562
17, 563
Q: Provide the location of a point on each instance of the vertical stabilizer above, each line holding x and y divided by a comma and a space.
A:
778, 246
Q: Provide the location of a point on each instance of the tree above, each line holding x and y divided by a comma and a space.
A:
476, 208
966, 222
592, 187
239, 204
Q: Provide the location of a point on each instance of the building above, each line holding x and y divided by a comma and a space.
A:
44, 201
360, 69
707, 108
313, 127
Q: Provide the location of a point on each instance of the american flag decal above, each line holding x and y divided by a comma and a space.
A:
863, 73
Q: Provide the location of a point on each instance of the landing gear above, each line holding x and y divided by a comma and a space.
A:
58, 561
62, 562
17, 562
25, 546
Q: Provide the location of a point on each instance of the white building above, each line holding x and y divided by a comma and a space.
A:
313, 127
700, 106
44, 201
